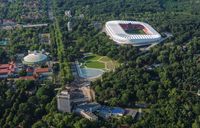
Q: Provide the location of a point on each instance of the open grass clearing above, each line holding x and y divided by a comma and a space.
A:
99, 62
92, 57
95, 64
105, 59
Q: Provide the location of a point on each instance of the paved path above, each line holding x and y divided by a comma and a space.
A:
168, 35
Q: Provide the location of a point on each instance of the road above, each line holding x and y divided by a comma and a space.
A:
168, 35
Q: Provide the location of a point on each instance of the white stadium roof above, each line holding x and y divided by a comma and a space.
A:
34, 58
118, 34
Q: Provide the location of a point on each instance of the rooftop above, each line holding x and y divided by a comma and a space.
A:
27, 78
132, 32
89, 106
4, 71
41, 70
4, 66
117, 27
117, 110
34, 58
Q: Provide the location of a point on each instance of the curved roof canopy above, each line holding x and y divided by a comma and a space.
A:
35, 58
116, 31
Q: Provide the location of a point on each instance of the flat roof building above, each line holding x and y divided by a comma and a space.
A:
7, 69
27, 78
89, 115
70, 97
63, 102
91, 107
116, 111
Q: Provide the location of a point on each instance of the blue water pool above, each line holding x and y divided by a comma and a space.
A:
89, 73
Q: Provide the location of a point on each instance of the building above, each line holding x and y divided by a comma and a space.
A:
104, 112
141, 105
35, 58
4, 73
29, 71
131, 112
91, 107
132, 32
7, 69
69, 26
88, 91
116, 111
88, 115
27, 78
63, 102
3, 66
69, 98
43, 71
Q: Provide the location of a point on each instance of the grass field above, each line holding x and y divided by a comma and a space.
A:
135, 31
95, 64
92, 57
99, 62
105, 58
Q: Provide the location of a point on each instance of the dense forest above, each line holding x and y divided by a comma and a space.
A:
166, 78
176, 77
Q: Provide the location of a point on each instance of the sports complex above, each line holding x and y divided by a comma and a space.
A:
132, 32
92, 66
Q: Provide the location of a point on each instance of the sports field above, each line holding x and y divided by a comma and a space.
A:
135, 31
99, 62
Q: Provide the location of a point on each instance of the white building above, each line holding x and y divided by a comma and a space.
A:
132, 32
88, 115
35, 58
69, 26
63, 102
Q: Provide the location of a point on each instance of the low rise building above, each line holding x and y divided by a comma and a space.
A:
116, 111
7, 69
27, 78
91, 107
43, 71
131, 112
104, 112
4, 73
89, 115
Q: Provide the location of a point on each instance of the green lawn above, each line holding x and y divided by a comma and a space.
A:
110, 64
95, 64
99, 62
92, 57
105, 59
135, 31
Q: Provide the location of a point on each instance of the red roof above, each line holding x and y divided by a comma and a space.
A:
29, 70
27, 78
4, 66
4, 71
42, 70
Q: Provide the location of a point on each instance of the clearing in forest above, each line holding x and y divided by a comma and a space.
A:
98, 62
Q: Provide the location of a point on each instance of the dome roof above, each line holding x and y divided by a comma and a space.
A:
34, 58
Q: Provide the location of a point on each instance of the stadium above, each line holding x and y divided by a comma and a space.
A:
34, 58
132, 32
